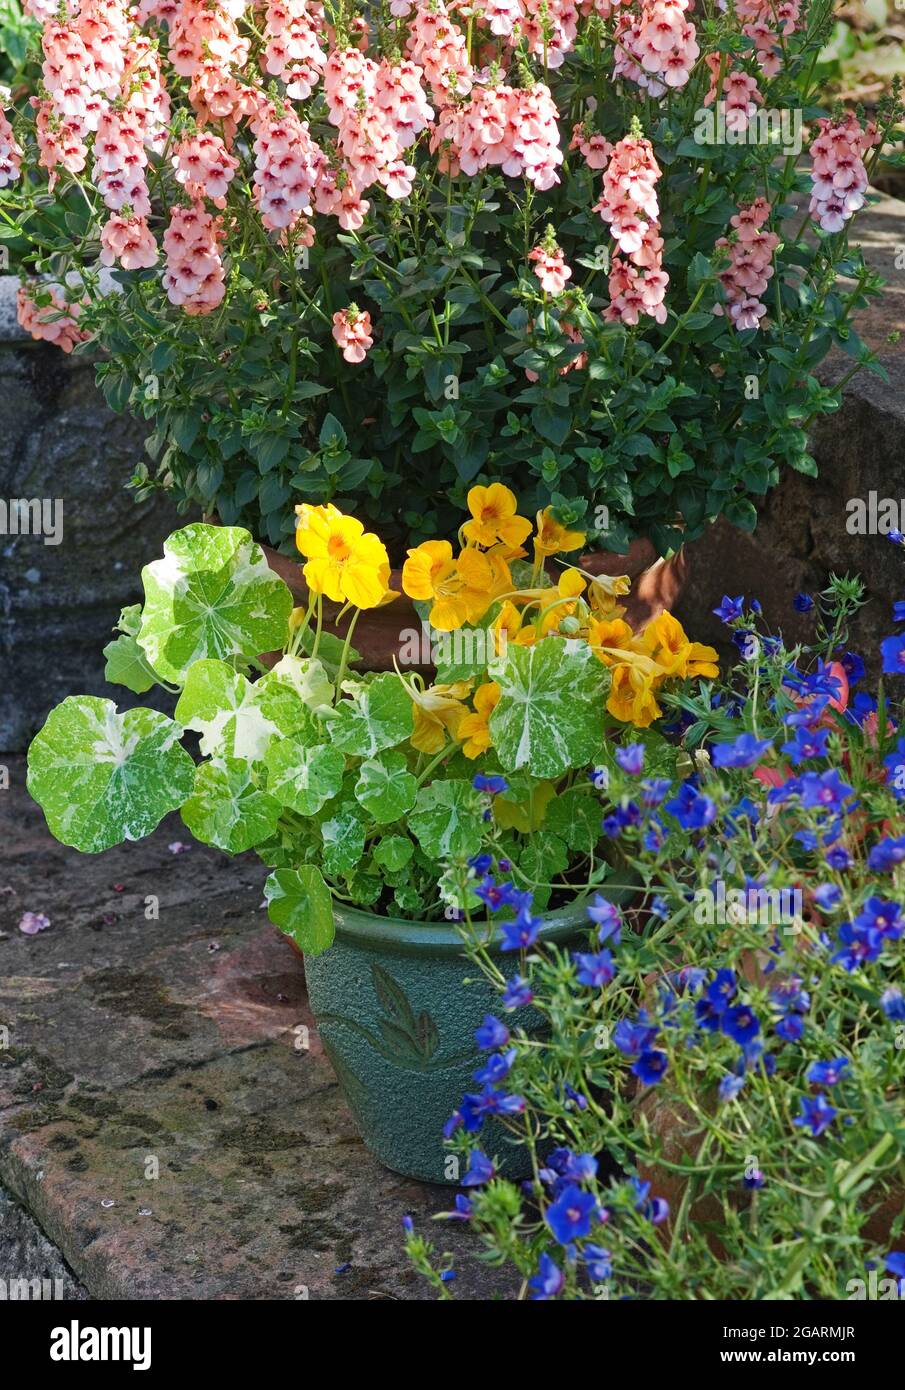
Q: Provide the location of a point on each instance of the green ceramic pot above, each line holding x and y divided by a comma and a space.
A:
397, 1020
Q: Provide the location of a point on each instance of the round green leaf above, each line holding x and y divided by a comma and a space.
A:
227, 809
102, 777
127, 665
299, 903
378, 715
447, 820
301, 777
385, 787
344, 840
212, 595
550, 714
235, 718
393, 852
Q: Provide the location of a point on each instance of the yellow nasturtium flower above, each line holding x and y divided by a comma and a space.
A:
608, 638
571, 583
438, 711
604, 592
553, 538
461, 589
632, 697
493, 517
474, 729
345, 562
665, 640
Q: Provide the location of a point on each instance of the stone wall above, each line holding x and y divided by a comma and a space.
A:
58, 440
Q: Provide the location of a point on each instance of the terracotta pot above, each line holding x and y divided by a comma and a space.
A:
383, 633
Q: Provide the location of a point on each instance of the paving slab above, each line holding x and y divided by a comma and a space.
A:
164, 1114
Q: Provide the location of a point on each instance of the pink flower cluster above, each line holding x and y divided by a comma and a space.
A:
656, 45
550, 266
194, 272
352, 333
205, 46
204, 167
513, 129
286, 165
128, 240
439, 47
765, 22
750, 265
293, 52
10, 153
629, 204
595, 149
838, 175
50, 323
739, 94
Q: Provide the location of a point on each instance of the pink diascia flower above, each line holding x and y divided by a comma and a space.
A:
628, 202
130, 241
352, 332
204, 167
50, 323
838, 175
550, 266
194, 275
656, 45
739, 94
750, 265
767, 22
10, 153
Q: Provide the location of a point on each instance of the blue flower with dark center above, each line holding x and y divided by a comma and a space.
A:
816, 1114
628, 814
521, 933
611, 826
493, 785
807, 743
576, 1167
631, 758
707, 1014
595, 970
496, 1068
825, 790
730, 608
828, 1073
480, 863
479, 1170
496, 895
548, 1281
790, 1028
492, 1033
740, 1023
651, 1067
853, 666
692, 810
860, 707
802, 603
607, 917
722, 988
571, 1215
859, 946
886, 854
517, 993
653, 790
892, 650
884, 917
632, 1038
744, 751
838, 858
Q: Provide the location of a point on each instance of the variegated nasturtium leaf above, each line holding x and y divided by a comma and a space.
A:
227, 809
304, 677
549, 717
299, 903
344, 839
102, 777
446, 820
212, 595
393, 852
303, 775
385, 787
575, 816
378, 715
127, 665
235, 718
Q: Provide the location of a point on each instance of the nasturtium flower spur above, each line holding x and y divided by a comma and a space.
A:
494, 517
345, 562
552, 538
474, 729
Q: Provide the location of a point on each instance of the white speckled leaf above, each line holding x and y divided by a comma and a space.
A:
377, 716
304, 677
385, 787
212, 595
344, 839
299, 903
227, 809
447, 820
301, 776
103, 777
235, 718
550, 713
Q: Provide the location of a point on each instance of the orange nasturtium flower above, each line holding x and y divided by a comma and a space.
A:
553, 538
461, 589
665, 640
344, 561
437, 711
493, 517
632, 697
475, 728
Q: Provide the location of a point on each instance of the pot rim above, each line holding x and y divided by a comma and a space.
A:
394, 936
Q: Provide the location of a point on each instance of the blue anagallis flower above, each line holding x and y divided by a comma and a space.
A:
807, 743
656, 1209
497, 895
631, 758
828, 1073
575, 1167
594, 970
860, 707
892, 650
653, 837
598, 1262
492, 1033
480, 863
802, 603
825, 790
408, 1224
607, 917
892, 1002
521, 933
744, 751
896, 537
692, 810
790, 1028
480, 1169
463, 1209
628, 814
886, 854
493, 785
517, 993
447, 1276
707, 1014
858, 946
853, 666
722, 988
653, 790
729, 1087
571, 1215
884, 917
754, 1180
895, 1264
496, 1068
838, 858
651, 1067
660, 907
898, 611
578, 1100
827, 896
730, 608
632, 1038
740, 1023
816, 1114
548, 1281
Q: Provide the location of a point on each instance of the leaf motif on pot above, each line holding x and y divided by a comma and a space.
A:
411, 1038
